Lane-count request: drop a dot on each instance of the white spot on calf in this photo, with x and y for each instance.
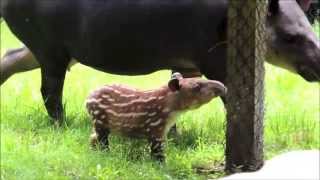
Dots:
(93, 135)
(166, 110)
(96, 112)
(99, 122)
(159, 139)
(111, 100)
(126, 125)
(116, 91)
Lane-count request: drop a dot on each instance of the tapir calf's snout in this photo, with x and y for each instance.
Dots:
(220, 88)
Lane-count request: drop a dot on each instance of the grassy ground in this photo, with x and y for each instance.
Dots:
(31, 148)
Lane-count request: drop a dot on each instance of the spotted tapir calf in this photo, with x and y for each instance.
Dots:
(142, 36)
(149, 114)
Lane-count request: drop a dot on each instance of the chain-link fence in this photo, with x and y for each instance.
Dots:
(245, 100)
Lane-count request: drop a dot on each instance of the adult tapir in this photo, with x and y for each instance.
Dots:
(142, 36)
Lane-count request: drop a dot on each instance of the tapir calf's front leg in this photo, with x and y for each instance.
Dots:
(157, 148)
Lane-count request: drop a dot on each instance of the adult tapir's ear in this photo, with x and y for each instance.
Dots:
(304, 4)
(174, 84)
(273, 7)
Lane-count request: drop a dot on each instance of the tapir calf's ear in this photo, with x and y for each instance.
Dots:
(176, 75)
(174, 84)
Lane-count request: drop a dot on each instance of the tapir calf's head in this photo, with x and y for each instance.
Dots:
(292, 42)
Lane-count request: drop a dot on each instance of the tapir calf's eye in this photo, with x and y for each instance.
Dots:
(196, 87)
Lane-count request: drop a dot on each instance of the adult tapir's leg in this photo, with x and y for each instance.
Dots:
(15, 61)
(53, 69)
(19, 60)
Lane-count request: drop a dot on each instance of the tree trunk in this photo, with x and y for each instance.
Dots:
(245, 82)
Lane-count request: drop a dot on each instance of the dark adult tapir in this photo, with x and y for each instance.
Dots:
(141, 36)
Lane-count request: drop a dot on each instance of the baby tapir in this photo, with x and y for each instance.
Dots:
(147, 114)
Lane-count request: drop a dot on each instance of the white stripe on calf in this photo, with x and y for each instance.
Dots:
(106, 96)
(93, 100)
(152, 114)
(135, 101)
(127, 115)
(148, 120)
(157, 122)
(102, 106)
(156, 145)
(127, 95)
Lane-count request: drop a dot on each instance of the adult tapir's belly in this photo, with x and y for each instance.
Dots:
(133, 50)
(120, 36)
(155, 35)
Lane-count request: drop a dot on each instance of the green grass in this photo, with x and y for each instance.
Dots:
(31, 148)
